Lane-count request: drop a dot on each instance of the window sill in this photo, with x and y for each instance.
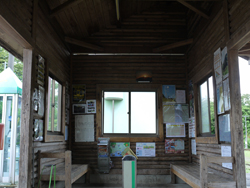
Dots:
(53, 138)
(206, 140)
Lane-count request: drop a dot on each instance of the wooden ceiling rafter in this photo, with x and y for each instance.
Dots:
(193, 8)
(64, 6)
(84, 44)
(174, 45)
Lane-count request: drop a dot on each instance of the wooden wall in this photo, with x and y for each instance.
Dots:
(93, 70)
(31, 21)
(200, 56)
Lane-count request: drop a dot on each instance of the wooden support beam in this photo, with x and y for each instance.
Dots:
(174, 45)
(117, 10)
(236, 119)
(25, 165)
(64, 6)
(193, 8)
(84, 44)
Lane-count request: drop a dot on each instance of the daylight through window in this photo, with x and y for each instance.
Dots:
(129, 112)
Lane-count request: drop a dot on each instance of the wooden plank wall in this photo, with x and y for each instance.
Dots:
(93, 70)
(47, 43)
(49, 46)
(200, 56)
(239, 14)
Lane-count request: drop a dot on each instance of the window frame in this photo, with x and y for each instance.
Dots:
(50, 136)
(206, 138)
(129, 122)
(132, 136)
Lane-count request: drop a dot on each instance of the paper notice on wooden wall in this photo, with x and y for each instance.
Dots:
(84, 128)
(226, 152)
(226, 91)
(220, 99)
(217, 66)
(180, 96)
(224, 61)
(193, 146)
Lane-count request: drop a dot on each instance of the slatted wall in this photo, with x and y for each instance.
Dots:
(93, 70)
(200, 64)
(57, 59)
(239, 14)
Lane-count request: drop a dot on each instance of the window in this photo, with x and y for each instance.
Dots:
(129, 112)
(54, 105)
(137, 114)
(206, 107)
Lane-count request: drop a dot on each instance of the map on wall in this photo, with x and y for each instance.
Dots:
(116, 148)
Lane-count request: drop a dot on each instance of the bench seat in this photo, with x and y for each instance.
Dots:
(191, 174)
(77, 171)
(67, 172)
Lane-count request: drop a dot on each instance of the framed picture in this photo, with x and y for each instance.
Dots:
(79, 93)
(79, 109)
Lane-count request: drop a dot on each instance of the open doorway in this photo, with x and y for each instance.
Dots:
(11, 73)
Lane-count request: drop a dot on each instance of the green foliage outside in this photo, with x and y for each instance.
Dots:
(245, 105)
(18, 65)
(247, 161)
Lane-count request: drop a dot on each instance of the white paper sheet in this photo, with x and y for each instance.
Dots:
(193, 146)
(175, 130)
(91, 106)
(145, 149)
(84, 128)
(180, 96)
(217, 66)
(226, 152)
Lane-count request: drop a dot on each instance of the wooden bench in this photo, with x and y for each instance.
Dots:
(201, 175)
(65, 172)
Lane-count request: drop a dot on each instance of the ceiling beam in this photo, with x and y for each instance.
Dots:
(193, 8)
(117, 10)
(64, 6)
(174, 45)
(84, 44)
(245, 48)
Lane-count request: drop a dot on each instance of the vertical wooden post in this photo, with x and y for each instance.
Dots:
(236, 120)
(203, 171)
(68, 169)
(173, 177)
(25, 165)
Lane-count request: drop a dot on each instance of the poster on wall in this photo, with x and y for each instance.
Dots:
(180, 96)
(117, 148)
(191, 127)
(191, 98)
(224, 128)
(181, 113)
(224, 65)
(175, 130)
(79, 93)
(145, 149)
(193, 146)
(175, 113)
(174, 146)
(217, 66)
(168, 113)
(226, 152)
(226, 91)
(220, 99)
(91, 106)
(168, 93)
(84, 128)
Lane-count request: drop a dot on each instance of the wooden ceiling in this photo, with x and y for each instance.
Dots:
(135, 26)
